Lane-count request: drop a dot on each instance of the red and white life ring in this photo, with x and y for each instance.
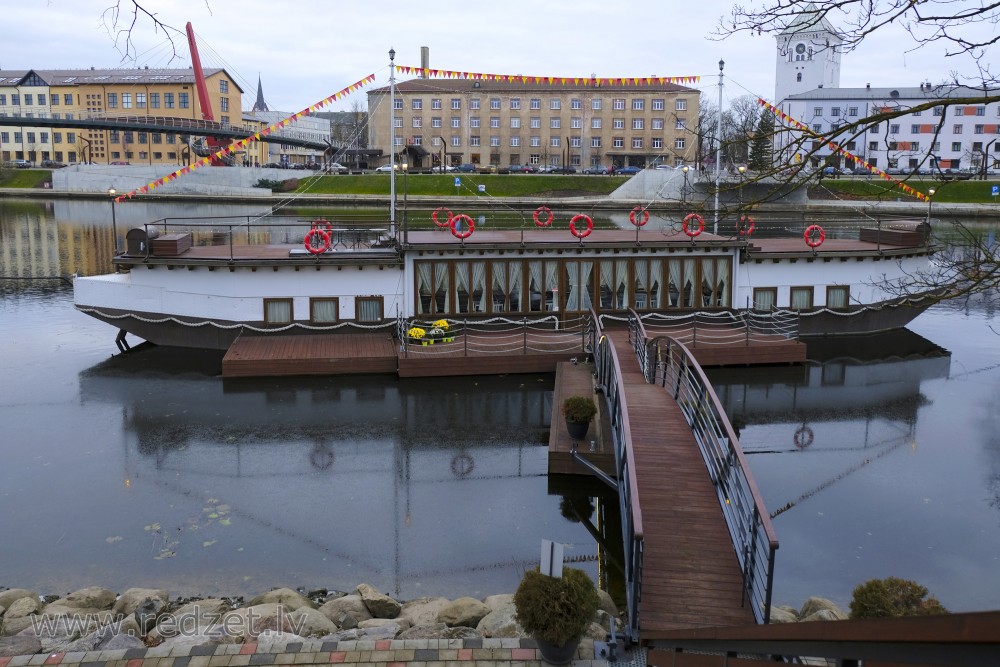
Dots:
(639, 216)
(542, 210)
(470, 226)
(581, 233)
(319, 223)
(811, 241)
(803, 437)
(698, 229)
(323, 235)
(746, 225)
(439, 209)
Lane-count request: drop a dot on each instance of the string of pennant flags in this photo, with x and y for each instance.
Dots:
(843, 151)
(248, 140)
(561, 80)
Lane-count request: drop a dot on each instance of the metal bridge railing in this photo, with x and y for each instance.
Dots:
(610, 382)
(670, 364)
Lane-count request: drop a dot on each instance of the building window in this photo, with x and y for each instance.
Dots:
(817, 111)
(838, 297)
(515, 142)
(679, 124)
(555, 104)
(595, 142)
(554, 142)
(277, 311)
(679, 143)
(595, 123)
(576, 123)
(416, 104)
(112, 100)
(575, 142)
(980, 111)
(619, 104)
(68, 98)
(618, 142)
(474, 123)
(515, 103)
(456, 123)
(595, 104)
(575, 104)
(474, 105)
(658, 105)
(894, 128)
(456, 141)
(798, 77)
(681, 105)
(852, 111)
(536, 142)
(636, 142)
(765, 298)
(817, 127)
(183, 100)
(938, 111)
(801, 297)
(494, 141)
(474, 141)
(418, 139)
(495, 103)
(495, 122)
(515, 123)
(397, 122)
(154, 100)
(536, 103)
(456, 103)
(555, 123)
(657, 142)
(835, 112)
(168, 100)
(978, 129)
(637, 123)
(956, 129)
(436, 122)
(223, 86)
(369, 308)
(956, 146)
(536, 123)
(638, 104)
(417, 121)
(618, 123)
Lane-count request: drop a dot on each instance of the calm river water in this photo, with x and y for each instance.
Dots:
(879, 458)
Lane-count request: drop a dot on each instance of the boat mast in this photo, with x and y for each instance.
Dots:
(392, 142)
(718, 154)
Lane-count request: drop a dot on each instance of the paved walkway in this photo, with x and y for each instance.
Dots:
(381, 653)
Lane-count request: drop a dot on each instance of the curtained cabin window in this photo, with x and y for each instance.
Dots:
(765, 298)
(324, 310)
(369, 308)
(277, 312)
(838, 297)
(801, 298)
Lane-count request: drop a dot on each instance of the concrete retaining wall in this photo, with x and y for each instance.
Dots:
(212, 181)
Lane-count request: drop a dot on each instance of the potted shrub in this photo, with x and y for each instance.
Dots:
(578, 410)
(556, 611)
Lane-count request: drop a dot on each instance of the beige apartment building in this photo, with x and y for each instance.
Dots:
(502, 123)
(82, 93)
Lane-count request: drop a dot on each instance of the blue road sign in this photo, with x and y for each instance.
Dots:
(996, 190)
(458, 182)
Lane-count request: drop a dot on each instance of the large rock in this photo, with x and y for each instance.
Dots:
(381, 632)
(23, 607)
(348, 605)
(463, 611)
(814, 604)
(439, 631)
(15, 626)
(109, 638)
(194, 618)
(423, 611)
(822, 615)
(596, 632)
(309, 622)
(289, 599)
(21, 645)
(271, 641)
(400, 623)
(379, 604)
(606, 603)
(9, 596)
(502, 619)
(55, 632)
(134, 597)
(783, 615)
(93, 597)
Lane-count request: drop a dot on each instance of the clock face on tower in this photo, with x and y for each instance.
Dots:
(800, 48)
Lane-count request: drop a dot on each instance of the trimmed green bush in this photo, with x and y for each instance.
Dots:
(880, 598)
(556, 610)
(579, 408)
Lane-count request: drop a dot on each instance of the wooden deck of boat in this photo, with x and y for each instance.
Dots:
(691, 576)
(475, 353)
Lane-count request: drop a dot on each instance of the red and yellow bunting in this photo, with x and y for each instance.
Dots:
(248, 140)
(838, 149)
(593, 82)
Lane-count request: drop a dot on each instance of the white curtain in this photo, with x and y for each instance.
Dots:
(802, 297)
(708, 282)
(764, 299)
(837, 297)
(639, 285)
(324, 310)
(442, 295)
(689, 290)
(536, 288)
(675, 283)
(586, 285)
(279, 312)
(369, 310)
(551, 283)
(655, 282)
(499, 286)
(723, 274)
(462, 287)
(621, 284)
(515, 298)
(607, 288)
(573, 285)
(424, 288)
(479, 286)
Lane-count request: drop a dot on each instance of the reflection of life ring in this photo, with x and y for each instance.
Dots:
(639, 216)
(746, 225)
(322, 222)
(439, 209)
(547, 221)
(811, 241)
(321, 457)
(462, 465)
(699, 228)
(803, 437)
(465, 233)
(581, 233)
(323, 235)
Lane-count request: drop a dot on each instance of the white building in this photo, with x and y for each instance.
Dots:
(807, 88)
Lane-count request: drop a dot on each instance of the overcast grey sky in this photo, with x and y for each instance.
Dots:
(305, 50)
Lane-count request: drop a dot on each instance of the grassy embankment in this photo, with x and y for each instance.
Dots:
(971, 192)
(24, 178)
(443, 185)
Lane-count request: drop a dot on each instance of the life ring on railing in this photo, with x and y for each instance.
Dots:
(540, 210)
(639, 216)
(746, 225)
(465, 233)
(803, 437)
(581, 233)
(434, 216)
(462, 465)
(698, 229)
(321, 457)
(811, 241)
(323, 234)
(322, 222)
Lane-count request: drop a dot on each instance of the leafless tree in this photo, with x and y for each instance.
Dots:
(124, 16)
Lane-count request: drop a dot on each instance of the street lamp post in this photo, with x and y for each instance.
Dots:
(930, 199)
(114, 223)
(684, 190)
(739, 204)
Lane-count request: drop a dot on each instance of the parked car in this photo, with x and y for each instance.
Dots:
(627, 171)
(52, 164)
(545, 169)
(596, 170)
(384, 169)
(466, 168)
(518, 169)
(18, 164)
(562, 170)
(337, 168)
(119, 164)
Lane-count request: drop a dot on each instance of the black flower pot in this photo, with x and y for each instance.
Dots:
(558, 655)
(577, 430)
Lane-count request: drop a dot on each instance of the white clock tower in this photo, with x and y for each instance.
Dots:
(808, 55)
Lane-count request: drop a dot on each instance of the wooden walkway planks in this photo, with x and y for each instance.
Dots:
(691, 576)
(326, 354)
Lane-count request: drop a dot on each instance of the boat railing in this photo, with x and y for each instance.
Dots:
(449, 336)
(667, 362)
(610, 383)
(725, 327)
